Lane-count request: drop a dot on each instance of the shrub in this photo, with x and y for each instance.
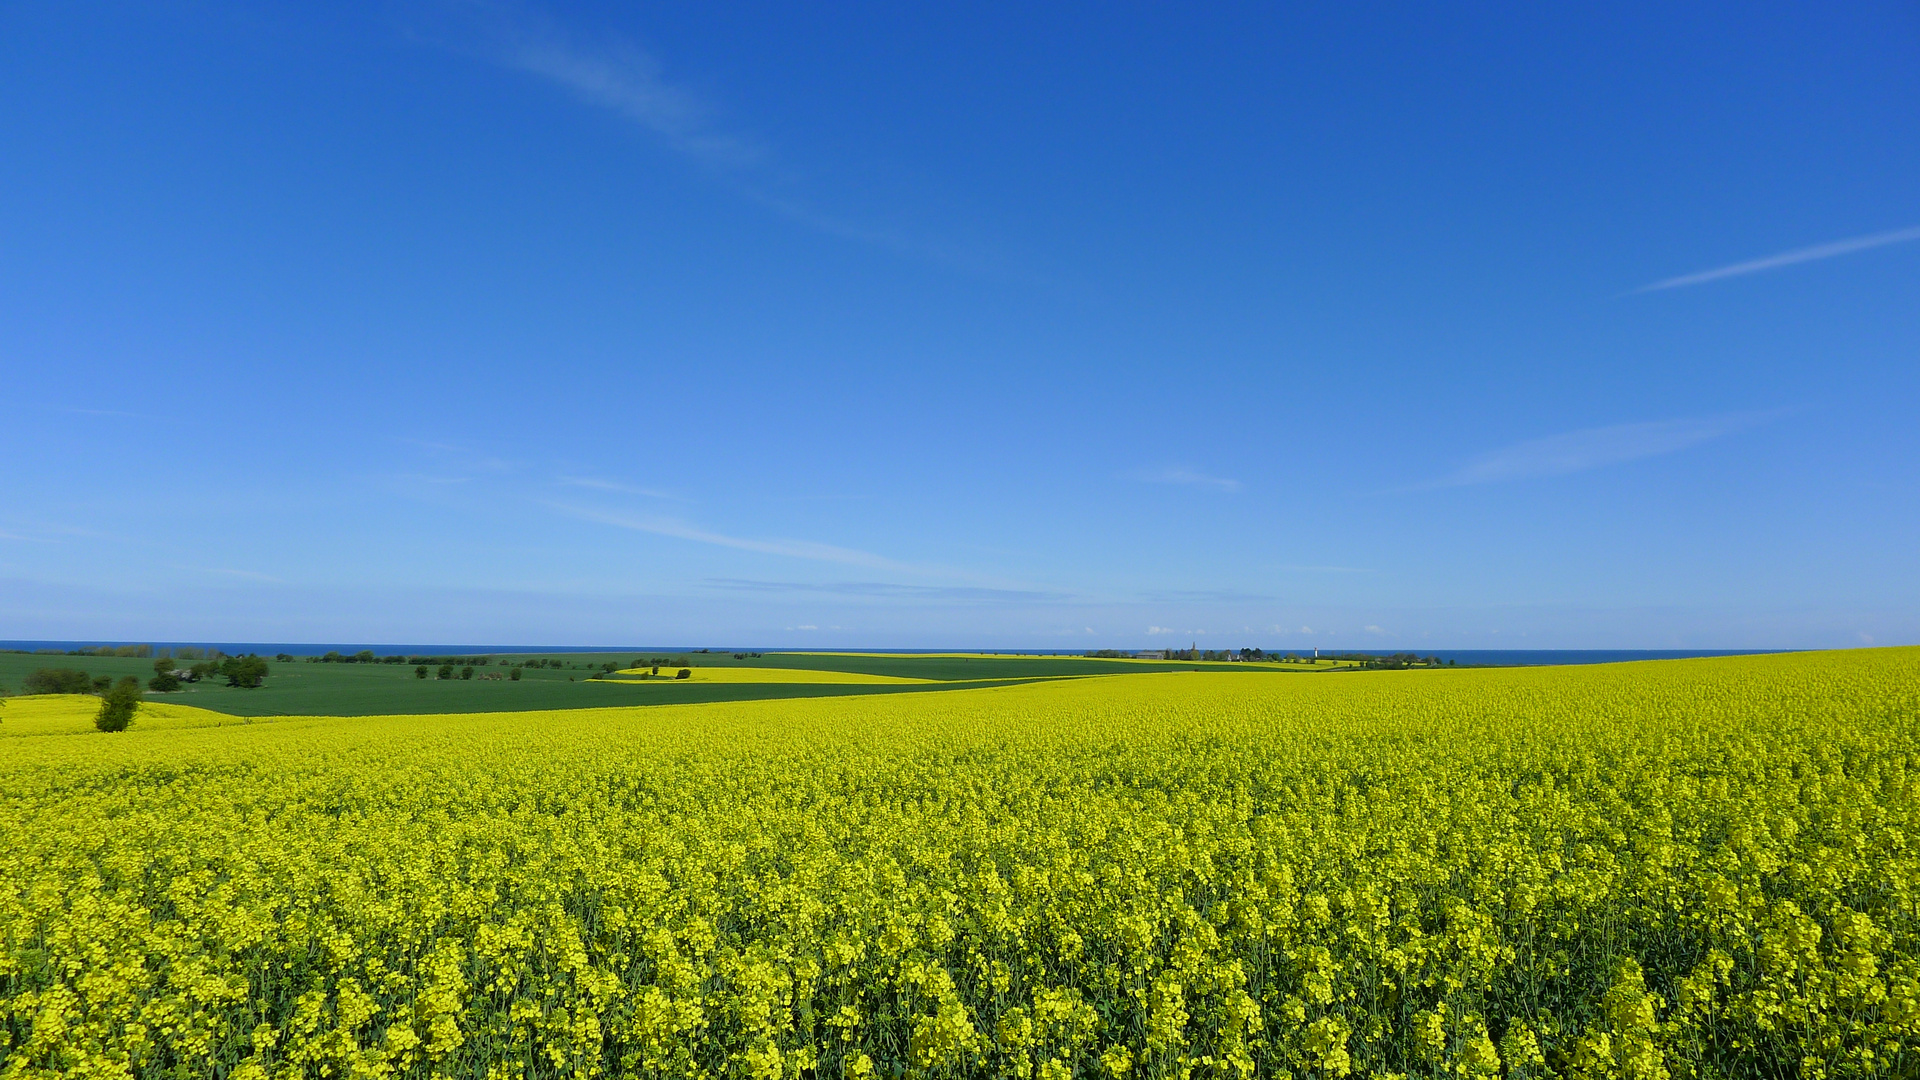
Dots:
(467, 672)
(420, 672)
(245, 672)
(118, 705)
(514, 674)
(59, 681)
(683, 673)
(446, 671)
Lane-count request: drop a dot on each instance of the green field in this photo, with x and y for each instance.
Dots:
(303, 688)
(1659, 870)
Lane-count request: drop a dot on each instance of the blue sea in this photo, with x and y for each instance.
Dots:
(1459, 657)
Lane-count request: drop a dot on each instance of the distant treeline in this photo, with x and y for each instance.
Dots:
(1392, 662)
(138, 652)
(246, 672)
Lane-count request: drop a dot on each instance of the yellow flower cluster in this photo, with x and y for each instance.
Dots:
(1685, 869)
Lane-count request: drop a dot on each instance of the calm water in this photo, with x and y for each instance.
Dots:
(1465, 657)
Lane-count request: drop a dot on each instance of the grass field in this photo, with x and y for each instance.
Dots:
(1658, 870)
(300, 688)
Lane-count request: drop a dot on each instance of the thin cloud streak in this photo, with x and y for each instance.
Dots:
(628, 81)
(250, 575)
(887, 590)
(1787, 258)
(1187, 478)
(795, 549)
(624, 78)
(1592, 448)
(610, 485)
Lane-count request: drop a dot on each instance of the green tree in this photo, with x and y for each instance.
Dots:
(118, 705)
(246, 672)
(683, 673)
(514, 674)
(364, 656)
(59, 681)
(420, 672)
(467, 672)
(446, 671)
(164, 681)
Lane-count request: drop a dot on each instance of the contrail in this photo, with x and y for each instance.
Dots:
(1788, 258)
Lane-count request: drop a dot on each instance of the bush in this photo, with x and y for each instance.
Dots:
(59, 681)
(446, 671)
(420, 672)
(683, 673)
(514, 674)
(119, 705)
(245, 672)
(467, 672)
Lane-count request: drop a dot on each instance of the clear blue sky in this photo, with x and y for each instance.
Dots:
(902, 325)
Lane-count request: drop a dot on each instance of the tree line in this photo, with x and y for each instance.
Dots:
(245, 672)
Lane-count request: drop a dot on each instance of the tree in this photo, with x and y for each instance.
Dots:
(514, 674)
(118, 705)
(164, 681)
(420, 672)
(467, 672)
(59, 681)
(245, 672)
(364, 656)
(683, 673)
(446, 671)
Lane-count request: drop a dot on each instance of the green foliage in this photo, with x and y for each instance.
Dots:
(683, 673)
(420, 672)
(514, 674)
(59, 681)
(467, 672)
(118, 705)
(245, 672)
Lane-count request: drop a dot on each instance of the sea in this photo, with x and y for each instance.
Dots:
(1458, 657)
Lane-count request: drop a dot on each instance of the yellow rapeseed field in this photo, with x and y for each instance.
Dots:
(1683, 869)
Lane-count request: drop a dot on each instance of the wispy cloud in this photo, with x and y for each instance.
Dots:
(1577, 451)
(615, 74)
(610, 485)
(464, 456)
(888, 590)
(250, 575)
(1787, 258)
(1186, 477)
(621, 77)
(427, 478)
(796, 549)
(1201, 596)
(50, 533)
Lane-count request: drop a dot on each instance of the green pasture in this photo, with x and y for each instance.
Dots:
(304, 688)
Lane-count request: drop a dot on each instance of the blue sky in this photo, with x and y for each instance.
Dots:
(903, 325)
